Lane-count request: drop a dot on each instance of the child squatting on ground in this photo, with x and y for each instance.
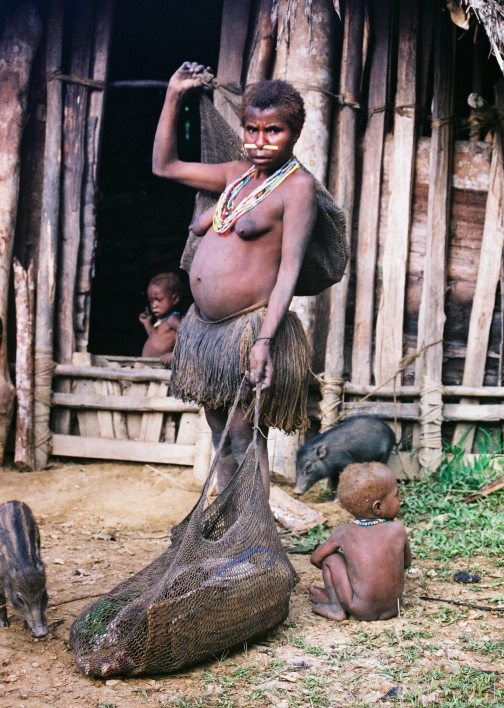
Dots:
(366, 579)
(164, 293)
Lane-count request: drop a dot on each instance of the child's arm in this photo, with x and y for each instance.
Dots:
(326, 549)
(145, 319)
(407, 554)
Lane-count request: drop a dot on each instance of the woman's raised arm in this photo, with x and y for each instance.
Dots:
(165, 159)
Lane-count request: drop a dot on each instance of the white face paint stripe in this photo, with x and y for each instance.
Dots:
(253, 146)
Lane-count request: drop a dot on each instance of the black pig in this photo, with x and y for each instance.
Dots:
(22, 574)
(359, 439)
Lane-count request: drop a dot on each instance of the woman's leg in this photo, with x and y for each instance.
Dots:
(239, 438)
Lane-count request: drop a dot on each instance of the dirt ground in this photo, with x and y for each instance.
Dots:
(100, 523)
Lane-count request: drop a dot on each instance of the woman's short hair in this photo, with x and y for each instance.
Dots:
(276, 94)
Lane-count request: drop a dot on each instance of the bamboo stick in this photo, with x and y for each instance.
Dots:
(369, 212)
(48, 245)
(389, 328)
(234, 27)
(74, 130)
(24, 288)
(488, 278)
(18, 45)
(432, 313)
(342, 187)
(103, 25)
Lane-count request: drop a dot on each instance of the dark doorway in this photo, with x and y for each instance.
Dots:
(142, 220)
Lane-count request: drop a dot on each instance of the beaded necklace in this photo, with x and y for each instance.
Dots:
(163, 319)
(368, 522)
(226, 214)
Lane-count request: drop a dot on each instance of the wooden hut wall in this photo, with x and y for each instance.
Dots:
(372, 106)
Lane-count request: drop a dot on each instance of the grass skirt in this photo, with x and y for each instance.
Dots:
(209, 361)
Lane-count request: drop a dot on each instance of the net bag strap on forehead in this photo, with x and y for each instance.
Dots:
(224, 580)
(327, 253)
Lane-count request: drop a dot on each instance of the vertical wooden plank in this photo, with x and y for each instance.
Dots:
(18, 45)
(74, 132)
(103, 31)
(389, 328)
(88, 420)
(235, 15)
(48, 245)
(188, 429)
(152, 423)
(432, 313)
(24, 287)
(342, 187)
(204, 449)
(486, 284)
(369, 212)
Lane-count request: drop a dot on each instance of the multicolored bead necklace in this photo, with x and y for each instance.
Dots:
(368, 522)
(226, 214)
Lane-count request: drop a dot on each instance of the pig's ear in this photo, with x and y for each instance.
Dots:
(321, 450)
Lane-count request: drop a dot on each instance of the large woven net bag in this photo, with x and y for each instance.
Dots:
(225, 579)
(327, 253)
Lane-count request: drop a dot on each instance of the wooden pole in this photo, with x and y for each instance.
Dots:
(48, 247)
(18, 45)
(103, 31)
(429, 365)
(74, 132)
(369, 212)
(235, 16)
(342, 187)
(24, 288)
(488, 278)
(263, 45)
(389, 327)
(309, 67)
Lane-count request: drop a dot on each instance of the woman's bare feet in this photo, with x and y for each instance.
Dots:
(317, 594)
(332, 612)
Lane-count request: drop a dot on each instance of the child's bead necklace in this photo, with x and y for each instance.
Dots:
(226, 214)
(163, 319)
(368, 522)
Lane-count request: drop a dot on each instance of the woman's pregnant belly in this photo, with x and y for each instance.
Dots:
(229, 274)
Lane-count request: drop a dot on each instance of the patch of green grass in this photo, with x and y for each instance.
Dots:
(300, 642)
(304, 542)
(469, 688)
(494, 649)
(452, 528)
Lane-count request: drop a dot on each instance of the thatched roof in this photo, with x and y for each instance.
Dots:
(491, 15)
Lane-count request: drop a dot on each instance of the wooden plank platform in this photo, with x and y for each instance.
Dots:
(131, 450)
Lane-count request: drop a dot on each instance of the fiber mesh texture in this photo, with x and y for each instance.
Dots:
(327, 253)
(225, 579)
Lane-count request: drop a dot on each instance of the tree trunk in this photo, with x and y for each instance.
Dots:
(24, 287)
(48, 248)
(17, 49)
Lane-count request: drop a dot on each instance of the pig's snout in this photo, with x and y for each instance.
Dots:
(39, 631)
(298, 490)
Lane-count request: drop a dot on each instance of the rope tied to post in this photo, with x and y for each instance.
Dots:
(431, 419)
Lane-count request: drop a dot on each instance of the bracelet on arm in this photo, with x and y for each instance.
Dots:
(268, 338)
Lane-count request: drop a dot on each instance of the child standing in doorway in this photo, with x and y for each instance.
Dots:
(162, 319)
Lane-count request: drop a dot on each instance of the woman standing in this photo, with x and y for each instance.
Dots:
(245, 270)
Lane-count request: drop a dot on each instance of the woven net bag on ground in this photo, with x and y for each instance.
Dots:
(225, 579)
(327, 253)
